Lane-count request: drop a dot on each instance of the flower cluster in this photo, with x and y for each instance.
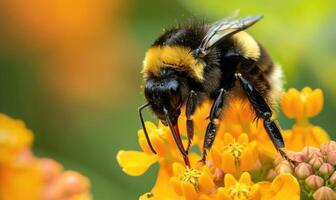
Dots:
(315, 171)
(24, 176)
(242, 163)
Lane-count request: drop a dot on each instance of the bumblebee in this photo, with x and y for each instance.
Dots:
(220, 61)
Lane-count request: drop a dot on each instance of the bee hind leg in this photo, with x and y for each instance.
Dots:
(263, 111)
(190, 110)
(215, 114)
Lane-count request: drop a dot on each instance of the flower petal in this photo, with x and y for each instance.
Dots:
(243, 139)
(205, 183)
(135, 163)
(292, 104)
(189, 191)
(229, 180)
(284, 186)
(314, 103)
(228, 163)
(245, 178)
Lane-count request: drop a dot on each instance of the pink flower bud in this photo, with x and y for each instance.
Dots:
(315, 154)
(308, 150)
(332, 179)
(326, 170)
(314, 182)
(328, 146)
(331, 158)
(284, 167)
(303, 170)
(316, 162)
(299, 157)
(324, 193)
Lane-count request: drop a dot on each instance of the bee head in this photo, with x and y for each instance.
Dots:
(166, 92)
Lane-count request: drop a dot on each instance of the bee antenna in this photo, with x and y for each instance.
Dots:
(144, 126)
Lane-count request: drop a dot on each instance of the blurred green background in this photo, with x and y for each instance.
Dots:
(70, 70)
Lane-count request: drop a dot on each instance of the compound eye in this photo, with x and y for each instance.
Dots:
(174, 94)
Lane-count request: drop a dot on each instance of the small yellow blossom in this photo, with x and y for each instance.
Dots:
(301, 106)
(238, 190)
(192, 183)
(234, 156)
(14, 136)
(304, 104)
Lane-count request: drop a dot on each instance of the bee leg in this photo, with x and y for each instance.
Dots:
(215, 114)
(264, 112)
(190, 110)
(144, 127)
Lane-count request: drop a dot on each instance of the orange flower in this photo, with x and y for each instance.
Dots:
(301, 106)
(238, 190)
(234, 156)
(304, 104)
(192, 183)
(14, 136)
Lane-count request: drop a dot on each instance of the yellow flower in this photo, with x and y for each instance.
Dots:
(192, 183)
(304, 104)
(14, 136)
(21, 178)
(136, 163)
(24, 176)
(284, 186)
(238, 190)
(301, 106)
(234, 156)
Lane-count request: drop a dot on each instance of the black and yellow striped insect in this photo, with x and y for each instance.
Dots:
(220, 61)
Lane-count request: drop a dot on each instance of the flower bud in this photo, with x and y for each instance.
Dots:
(298, 156)
(328, 146)
(316, 162)
(308, 150)
(314, 182)
(324, 193)
(284, 167)
(315, 154)
(326, 170)
(303, 170)
(332, 179)
(331, 157)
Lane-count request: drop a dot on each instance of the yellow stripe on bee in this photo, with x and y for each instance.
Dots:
(247, 45)
(177, 57)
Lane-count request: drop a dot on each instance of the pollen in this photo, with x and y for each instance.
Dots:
(235, 149)
(192, 176)
(239, 191)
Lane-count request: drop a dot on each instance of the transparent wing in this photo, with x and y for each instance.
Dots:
(224, 28)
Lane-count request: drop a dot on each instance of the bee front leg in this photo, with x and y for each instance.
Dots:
(215, 114)
(264, 112)
(190, 110)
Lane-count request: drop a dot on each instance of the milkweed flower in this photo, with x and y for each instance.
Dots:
(25, 176)
(242, 163)
(302, 105)
(316, 170)
(234, 156)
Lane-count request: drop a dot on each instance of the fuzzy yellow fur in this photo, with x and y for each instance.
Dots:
(247, 45)
(177, 57)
